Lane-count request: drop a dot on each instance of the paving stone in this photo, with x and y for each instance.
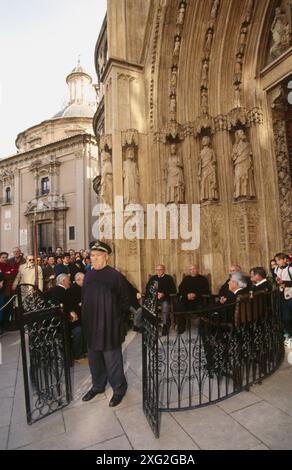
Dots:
(4, 430)
(212, 429)
(271, 425)
(136, 426)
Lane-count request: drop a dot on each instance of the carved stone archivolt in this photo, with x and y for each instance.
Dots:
(206, 58)
(240, 53)
(154, 61)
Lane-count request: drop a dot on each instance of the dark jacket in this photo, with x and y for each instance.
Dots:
(73, 300)
(105, 306)
(265, 286)
(165, 285)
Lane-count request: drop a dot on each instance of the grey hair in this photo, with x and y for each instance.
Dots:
(240, 278)
(61, 277)
(77, 275)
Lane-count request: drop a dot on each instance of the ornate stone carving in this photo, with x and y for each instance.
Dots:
(208, 43)
(131, 177)
(249, 11)
(181, 14)
(284, 180)
(130, 137)
(172, 107)
(176, 47)
(153, 62)
(280, 33)
(243, 167)
(213, 13)
(175, 177)
(235, 117)
(204, 123)
(204, 101)
(173, 80)
(245, 219)
(7, 177)
(243, 39)
(106, 183)
(207, 172)
(48, 203)
(204, 74)
(220, 123)
(105, 142)
(238, 69)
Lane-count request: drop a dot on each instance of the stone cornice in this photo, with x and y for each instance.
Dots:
(45, 149)
(115, 62)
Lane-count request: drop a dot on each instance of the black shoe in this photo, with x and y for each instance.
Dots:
(91, 394)
(116, 400)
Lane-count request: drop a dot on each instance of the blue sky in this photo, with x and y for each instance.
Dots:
(40, 41)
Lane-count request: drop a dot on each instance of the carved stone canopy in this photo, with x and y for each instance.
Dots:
(105, 142)
(130, 138)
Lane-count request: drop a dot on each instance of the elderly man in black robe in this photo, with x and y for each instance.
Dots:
(104, 306)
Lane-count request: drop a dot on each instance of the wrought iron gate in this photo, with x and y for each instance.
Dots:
(210, 354)
(45, 351)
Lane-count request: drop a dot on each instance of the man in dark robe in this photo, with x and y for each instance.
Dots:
(191, 291)
(104, 305)
(166, 288)
(258, 277)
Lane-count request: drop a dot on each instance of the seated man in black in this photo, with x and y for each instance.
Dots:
(225, 294)
(59, 295)
(258, 277)
(215, 328)
(166, 287)
(74, 299)
(191, 291)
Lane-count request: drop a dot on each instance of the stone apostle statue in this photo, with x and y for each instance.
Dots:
(175, 177)
(243, 167)
(131, 177)
(207, 172)
(106, 183)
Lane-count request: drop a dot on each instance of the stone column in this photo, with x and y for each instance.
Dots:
(16, 209)
(80, 222)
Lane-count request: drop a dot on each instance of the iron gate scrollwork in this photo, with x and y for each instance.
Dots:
(45, 348)
(222, 350)
(150, 359)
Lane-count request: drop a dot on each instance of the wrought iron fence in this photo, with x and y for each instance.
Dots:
(45, 353)
(210, 355)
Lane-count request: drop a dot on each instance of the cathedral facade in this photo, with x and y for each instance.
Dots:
(196, 108)
(46, 186)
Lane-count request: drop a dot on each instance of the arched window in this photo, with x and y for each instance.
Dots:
(8, 195)
(45, 185)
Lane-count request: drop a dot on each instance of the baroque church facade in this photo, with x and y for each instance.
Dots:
(194, 108)
(46, 186)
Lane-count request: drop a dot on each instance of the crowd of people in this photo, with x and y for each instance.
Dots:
(99, 300)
